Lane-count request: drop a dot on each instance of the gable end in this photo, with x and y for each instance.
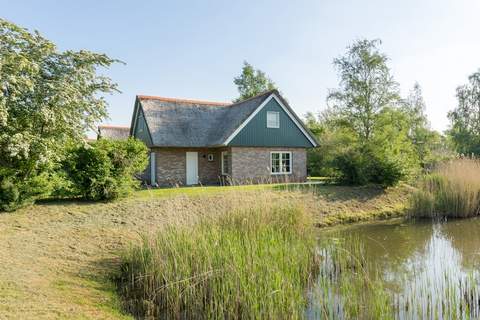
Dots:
(254, 131)
(139, 128)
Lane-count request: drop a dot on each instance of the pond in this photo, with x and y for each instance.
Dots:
(398, 269)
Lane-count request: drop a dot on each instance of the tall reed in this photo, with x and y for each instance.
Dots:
(451, 190)
(251, 263)
(347, 286)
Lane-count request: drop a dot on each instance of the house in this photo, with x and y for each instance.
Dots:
(113, 132)
(193, 142)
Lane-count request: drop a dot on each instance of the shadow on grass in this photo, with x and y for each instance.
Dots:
(69, 202)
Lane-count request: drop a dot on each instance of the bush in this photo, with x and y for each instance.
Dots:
(359, 166)
(16, 192)
(352, 167)
(9, 195)
(105, 170)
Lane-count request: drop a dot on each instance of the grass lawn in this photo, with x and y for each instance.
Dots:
(57, 258)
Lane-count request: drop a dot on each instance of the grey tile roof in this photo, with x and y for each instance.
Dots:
(190, 123)
(113, 132)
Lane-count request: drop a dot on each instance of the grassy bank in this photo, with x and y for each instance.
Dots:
(255, 263)
(57, 257)
(451, 190)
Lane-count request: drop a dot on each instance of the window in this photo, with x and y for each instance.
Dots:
(273, 119)
(225, 162)
(281, 162)
(210, 157)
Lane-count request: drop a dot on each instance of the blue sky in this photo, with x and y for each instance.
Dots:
(193, 49)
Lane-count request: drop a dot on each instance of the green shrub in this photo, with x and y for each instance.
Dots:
(359, 166)
(105, 169)
(16, 192)
(9, 195)
(253, 264)
(352, 167)
(385, 171)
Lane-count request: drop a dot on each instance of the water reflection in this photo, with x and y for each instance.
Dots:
(430, 270)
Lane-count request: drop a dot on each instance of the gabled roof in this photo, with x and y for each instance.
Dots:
(113, 132)
(194, 123)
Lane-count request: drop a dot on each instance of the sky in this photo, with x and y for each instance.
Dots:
(194, 49)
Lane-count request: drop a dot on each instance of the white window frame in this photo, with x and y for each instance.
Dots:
(281, 166)
(224, 153)
(277, 115)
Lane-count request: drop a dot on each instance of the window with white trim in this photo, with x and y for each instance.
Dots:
(273, 119)
(225, 162)
(281, 162)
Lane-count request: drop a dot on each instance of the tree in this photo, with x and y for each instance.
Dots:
(423, 138)
(252, 82)
(415, 107)
(366, 87)
(465, 118)
(365, 135)
(334, 137)
(47, 97)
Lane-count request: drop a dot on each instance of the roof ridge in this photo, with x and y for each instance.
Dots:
(256, 96)
(113, 126)
(181, 100)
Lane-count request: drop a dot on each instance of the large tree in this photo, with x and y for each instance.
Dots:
(47, 98)
(465, 118)
(252, 82)
(366, 86)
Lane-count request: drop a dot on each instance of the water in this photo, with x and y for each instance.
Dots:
(408, 270)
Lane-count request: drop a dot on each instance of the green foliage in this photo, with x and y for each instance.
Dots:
(46, 98)
(334, 138)
(105, 170)
(366, 87)
(16, 192)
(430, 146)
(248, 264)
(252, 82)
(464, 119)
(9, 195)
(359, 166)
(387, 158)
(368, 134)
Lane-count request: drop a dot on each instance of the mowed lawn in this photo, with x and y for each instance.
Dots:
(59, 259)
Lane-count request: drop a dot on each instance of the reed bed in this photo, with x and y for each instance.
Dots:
(253, 263)
(452, 190)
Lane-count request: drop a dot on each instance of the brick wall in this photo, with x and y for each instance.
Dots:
(252, 165)
(171, 166)
(246, 165)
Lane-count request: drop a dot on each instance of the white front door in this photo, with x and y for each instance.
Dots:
(192, 167)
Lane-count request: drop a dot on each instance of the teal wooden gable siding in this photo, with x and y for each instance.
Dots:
(256, 133)
(141, 129)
